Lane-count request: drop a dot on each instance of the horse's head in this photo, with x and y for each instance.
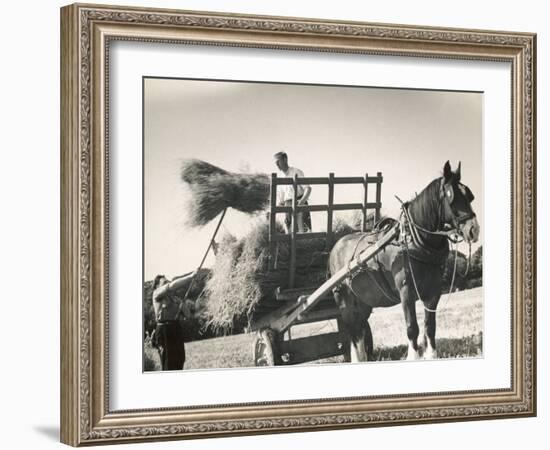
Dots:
(457, 204)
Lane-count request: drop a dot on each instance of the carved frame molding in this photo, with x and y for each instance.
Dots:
(86, 32)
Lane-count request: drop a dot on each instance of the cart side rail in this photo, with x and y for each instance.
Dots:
(330, 207)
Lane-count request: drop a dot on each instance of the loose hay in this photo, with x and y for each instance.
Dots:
(214, 189)
(233, 288)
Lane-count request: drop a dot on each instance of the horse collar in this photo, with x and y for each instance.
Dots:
(420, 249)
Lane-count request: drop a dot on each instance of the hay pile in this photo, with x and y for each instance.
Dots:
(241, 287)
(214, 189)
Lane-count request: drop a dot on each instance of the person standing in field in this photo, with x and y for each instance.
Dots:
(170, 312)
(285, 194)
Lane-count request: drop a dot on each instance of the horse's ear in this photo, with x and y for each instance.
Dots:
(447, 172)
(457, 173)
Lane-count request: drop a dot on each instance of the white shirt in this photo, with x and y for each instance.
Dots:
(286, 192)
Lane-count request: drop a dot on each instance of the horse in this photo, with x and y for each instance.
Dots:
(410, 268)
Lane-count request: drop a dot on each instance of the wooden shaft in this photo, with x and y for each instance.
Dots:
(205, 254)
(330, 213)
(365, 203)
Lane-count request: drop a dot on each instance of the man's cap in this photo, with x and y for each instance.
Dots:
(279, 155)
(156, 280)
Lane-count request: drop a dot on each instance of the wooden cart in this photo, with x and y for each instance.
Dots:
(274, 344)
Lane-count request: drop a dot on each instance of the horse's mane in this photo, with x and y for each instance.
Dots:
(424, 208)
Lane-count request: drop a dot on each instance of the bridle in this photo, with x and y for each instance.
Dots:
(456, 218)
(450, 231)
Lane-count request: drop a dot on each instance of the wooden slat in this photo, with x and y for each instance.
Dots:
(335, 207)
(299, 236)
(302, 208)
(316, 235)
(281, 237)
(313, 347)
(319, 315)
(323, 180)
(374, 205)
(272, 221)
(365, 203)
(356, 180)
(312, 180)
(284, 181)
(282, 209)
(348, 180)
(378, 197)
(302, 180)
(347, 206)
(376, 179)
(351, 206)
(294, 231)
(312, 208)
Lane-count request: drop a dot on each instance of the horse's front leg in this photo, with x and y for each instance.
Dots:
(430, 351)
(409, 310)
(358, 349)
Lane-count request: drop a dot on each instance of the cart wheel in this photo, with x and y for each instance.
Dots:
(264, 351)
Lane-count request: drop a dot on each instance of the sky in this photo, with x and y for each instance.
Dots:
(408, 135)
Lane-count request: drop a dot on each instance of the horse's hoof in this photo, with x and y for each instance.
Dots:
(412, 355)
(430, 353)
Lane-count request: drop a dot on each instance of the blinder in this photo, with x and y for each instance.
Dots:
(467, 192)
(447, 196)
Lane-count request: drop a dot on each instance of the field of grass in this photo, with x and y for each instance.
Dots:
(459, 335)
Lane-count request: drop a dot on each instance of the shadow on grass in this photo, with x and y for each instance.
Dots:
(466, 347)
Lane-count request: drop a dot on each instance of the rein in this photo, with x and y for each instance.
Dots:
(452, 234)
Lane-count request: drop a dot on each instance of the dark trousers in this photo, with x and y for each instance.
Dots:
(169, 339)
(306, 217)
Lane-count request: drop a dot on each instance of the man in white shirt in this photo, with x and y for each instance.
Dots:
(285, 194)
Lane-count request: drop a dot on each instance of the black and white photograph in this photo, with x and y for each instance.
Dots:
(288, 224)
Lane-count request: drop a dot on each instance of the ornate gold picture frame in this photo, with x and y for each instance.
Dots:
(87, 33)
